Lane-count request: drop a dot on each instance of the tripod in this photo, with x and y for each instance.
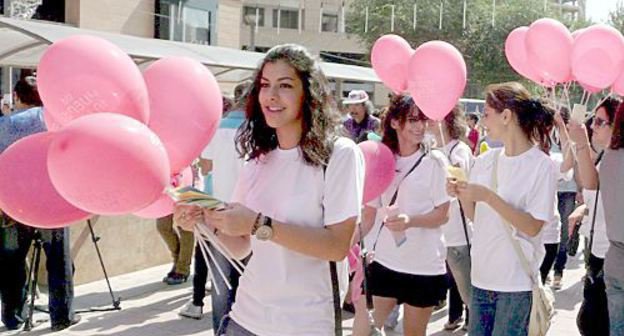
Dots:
(33, 277)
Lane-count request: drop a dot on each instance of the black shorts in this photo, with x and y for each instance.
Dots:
(416, 290)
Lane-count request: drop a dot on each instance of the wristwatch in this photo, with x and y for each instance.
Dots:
(265, 231)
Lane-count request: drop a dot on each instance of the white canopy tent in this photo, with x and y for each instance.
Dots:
(22, 42)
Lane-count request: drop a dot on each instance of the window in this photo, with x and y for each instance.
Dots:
(329, 23)
(252, 11)
(189, 23)
(288, 18)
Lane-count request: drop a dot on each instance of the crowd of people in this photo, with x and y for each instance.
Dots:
(287, 164)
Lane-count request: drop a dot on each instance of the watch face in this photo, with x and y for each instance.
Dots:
(264, 232)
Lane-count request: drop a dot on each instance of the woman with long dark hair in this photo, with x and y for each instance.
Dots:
(510, 195)
(295, 204)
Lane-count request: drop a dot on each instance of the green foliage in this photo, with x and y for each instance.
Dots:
(481, 43)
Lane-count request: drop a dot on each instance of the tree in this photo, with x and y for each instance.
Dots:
(481, 43)
(616, 17)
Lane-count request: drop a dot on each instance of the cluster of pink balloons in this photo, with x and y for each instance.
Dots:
(116, 139)
(548, 54)
(434, 74)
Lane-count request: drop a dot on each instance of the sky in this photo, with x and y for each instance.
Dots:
(598, 10)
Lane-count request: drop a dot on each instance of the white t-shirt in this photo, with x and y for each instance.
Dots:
(226, 163)
(601, 242)
(420, 192)
(528, 182)
(283, 292)
(461, 156)
(551, 233)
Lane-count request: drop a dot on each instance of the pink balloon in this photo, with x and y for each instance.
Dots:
(437, 78)
(83, 74)
(577, 33)
(27, 195)
(164, 204)
(108, 164)
(390, 58)
(598, 56)
(589, 88)
(515, 51)
(618, 85)
(186, 107)
(379, 171)
(549, 46)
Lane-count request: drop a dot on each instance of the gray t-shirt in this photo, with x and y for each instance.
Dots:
(612, 189)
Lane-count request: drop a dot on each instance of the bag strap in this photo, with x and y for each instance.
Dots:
(461, 208)
(336, 295)
(333, 273)
(508, 228)
(396, 194)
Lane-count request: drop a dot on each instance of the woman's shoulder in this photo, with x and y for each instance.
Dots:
(343, 145)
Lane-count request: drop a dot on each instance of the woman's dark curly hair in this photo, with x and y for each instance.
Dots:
(534, 117)
(320, 119)
(400, 107)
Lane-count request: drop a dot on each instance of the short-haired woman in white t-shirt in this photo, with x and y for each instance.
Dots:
(409, 254)
(295, 204)
(514, 185)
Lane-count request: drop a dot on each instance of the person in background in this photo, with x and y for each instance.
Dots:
(361, 110)
(225, 164)
(16, 237)
(472, 120)
(458, 230)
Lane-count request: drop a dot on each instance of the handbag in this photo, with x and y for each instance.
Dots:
(593, 316)
(542, 303)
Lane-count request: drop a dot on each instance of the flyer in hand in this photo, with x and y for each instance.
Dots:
(193, 196)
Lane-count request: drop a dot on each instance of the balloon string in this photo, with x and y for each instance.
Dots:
(441, 134)
(207, 234)
(204, 248)
(201, 248)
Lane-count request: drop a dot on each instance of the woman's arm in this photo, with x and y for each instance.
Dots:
(329, 243)
(523, 221)
(366, 225)
(588, 174)
(432, 219)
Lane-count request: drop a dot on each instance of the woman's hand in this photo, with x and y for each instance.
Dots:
(398, 223)
(472, 192)
(575, 218)
(578, 133)
(233, 220)
(186, 216)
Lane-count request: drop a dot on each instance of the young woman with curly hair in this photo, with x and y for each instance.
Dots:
(295, 204)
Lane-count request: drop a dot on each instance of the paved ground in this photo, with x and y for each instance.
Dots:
(149, 307)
